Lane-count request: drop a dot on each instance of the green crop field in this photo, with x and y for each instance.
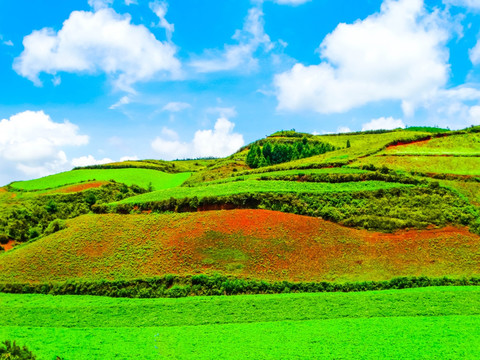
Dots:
(140, 177)
(426, 323)
(257, 186)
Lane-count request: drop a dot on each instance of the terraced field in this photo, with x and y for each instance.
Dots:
(140, 177)
(428, 323)
(252, 186)
(257, 244)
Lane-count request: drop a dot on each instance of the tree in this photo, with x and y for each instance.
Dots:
(348, 143)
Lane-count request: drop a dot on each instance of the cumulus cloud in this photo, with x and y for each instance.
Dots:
(95, 42)
(396, 54)
(89, 160)
(160, 9)
(474, 113)
(383, 123)
(241, 55)
(33, 142)
(217, 142)
(176, 106)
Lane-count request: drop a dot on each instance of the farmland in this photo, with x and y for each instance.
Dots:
(432, 323)
(258, 187)
(255, 244)
(387, 210)
(140, 177)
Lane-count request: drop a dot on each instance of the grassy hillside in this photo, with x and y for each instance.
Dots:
(140, 177)
(430, 323)
(246, 243)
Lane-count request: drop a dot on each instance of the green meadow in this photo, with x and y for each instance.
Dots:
(140, 177)
(426, 323)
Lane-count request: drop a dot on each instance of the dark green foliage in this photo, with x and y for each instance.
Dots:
(427, 129)
(30, 218)
(272, 153)
(175, 286)
(1, 248)
(12, 351)
(348, 144)
(4, 239)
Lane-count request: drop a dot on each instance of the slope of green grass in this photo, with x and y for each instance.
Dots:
(463, 144)
(254, 186)
(425, 164)
(427, 323)
(140, 177)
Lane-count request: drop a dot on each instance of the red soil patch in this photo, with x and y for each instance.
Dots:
(405, 143)
(257, 244)
(9, 245)
(80, 187)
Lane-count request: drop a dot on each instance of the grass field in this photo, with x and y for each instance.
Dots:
(426, 164)
(465, 144)
(258, 244)
(140, 177)
(427, 323)
(253, 186)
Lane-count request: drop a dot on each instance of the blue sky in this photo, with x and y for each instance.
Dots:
(91, 81)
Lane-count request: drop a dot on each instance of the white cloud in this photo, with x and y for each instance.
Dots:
(100, 4)
(475, 54)
(33, 142)
(397, 54)
(103, 41)
(473, 4)
(218, 142)
(124, 100)
(89, 160)
(175, 106)
(383, 124)
(160, 9)
(8, 43)
(130, 2)
(241, 55)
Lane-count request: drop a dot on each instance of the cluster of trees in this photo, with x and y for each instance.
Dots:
(174, 286)
(44, 215)
(278, 152)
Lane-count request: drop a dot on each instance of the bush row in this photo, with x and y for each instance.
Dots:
(174, 286)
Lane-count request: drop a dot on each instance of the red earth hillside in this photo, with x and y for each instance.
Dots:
(258, 244)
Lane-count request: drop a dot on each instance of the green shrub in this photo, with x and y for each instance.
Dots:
(54, 226)
(12, 351)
